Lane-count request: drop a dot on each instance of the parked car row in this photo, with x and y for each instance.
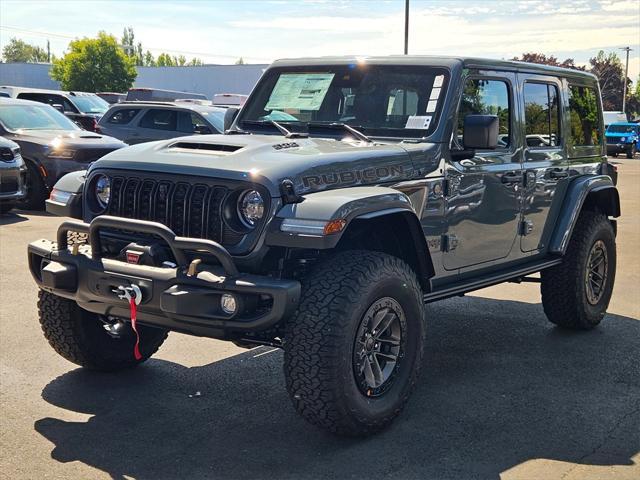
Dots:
(51, 146)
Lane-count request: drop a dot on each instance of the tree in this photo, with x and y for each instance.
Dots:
(240, 61)
(94, 65)
(633, 102)
(17, 51)
(146, 59)
(610, 72)
(542, 59)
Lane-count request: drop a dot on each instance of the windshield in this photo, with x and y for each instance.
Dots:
(378, 100)
(622, 128)
(215, 118)
(34, 117)
(90, 104)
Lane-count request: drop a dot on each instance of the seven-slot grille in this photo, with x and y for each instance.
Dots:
(190, 210)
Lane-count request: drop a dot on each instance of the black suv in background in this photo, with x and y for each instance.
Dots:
(138, 122)
(83, 108)
(51, 144)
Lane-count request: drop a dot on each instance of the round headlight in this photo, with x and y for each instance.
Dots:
(251, 207)
(103, 190)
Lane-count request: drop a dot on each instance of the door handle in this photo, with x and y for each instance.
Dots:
(556, 174)
(512, 177)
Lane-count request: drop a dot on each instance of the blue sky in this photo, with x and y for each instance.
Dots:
(262, 30)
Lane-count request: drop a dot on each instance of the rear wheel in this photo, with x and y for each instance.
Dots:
(6, 208)
(80, 336)
(632, 151)
(576, 293)
(353, 351)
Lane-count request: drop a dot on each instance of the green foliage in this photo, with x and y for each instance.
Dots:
(94, 65)
(240, 61)
(542, 59)
(583, 108)
(146, 59)
(17, 51)
(610, 72)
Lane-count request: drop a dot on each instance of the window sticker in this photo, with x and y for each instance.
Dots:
(437, 82)
(431, 106)
(435, 93)
(300, 91)
(419, 122)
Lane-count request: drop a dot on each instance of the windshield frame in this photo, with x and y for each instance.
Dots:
(270, 77)
(49, 110)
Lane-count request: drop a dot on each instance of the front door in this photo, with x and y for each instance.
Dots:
(484, 192)
(545, 159)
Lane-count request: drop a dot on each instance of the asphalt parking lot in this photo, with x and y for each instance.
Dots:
(504, 394)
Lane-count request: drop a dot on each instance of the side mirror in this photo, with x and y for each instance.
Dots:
(480, 132)
(229, 116)
(58, 107)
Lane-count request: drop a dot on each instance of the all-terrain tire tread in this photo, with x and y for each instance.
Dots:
(562, 297)
(62, 327)
(313, 334)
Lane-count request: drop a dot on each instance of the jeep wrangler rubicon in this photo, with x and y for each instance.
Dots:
(343, 196)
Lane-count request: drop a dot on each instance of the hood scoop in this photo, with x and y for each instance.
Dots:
(212, 148)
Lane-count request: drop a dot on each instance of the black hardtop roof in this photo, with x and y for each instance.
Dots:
(437, 61)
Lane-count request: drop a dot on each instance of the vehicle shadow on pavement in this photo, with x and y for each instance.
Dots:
(11, 218)
(501, 386)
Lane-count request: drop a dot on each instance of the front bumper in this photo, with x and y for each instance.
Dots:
(618, 148)
(177, 298)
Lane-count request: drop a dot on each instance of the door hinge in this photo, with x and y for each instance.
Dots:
(449, 242)
(526, 227)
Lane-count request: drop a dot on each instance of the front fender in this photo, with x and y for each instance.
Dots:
(594, 191)
(345, 204)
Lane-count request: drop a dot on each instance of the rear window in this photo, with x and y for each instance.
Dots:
(160, 119)
(122, 116)
(584, 117)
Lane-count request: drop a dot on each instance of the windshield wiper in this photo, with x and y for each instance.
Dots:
(284, 131)
(356, 133)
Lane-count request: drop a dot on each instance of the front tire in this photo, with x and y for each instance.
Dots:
(632, 151)
(353, 350)
(576, 293)
(79, 336)
(36, 189)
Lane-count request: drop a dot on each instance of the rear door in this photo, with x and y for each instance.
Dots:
(156, 124)
(545, 157)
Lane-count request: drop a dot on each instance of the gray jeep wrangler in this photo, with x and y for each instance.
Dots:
(346, 194)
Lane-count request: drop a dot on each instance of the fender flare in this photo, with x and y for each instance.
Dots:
(354, 205)
(598, 189)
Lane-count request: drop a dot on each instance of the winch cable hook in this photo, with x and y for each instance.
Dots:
(133, 295)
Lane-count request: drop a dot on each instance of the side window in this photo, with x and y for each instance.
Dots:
(486, 97)
(123, 116)
(584, 117)
(541, 115)
(159, 119)
(191, 122)
(36, 97)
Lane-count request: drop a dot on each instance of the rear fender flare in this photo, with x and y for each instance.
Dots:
(583, 192)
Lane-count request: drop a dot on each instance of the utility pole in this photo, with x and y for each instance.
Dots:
(624, 84)
(406, 27)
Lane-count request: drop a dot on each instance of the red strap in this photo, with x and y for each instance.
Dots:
(134, 312)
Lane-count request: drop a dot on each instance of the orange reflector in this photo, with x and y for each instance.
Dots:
(43, 171)
(334, 226)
